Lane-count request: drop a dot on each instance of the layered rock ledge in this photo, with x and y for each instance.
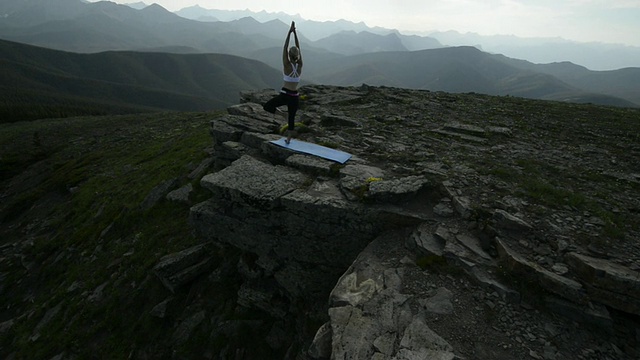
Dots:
(406, 252)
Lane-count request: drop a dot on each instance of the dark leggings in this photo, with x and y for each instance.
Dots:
(286, 97)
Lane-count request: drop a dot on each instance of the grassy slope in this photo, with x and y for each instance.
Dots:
(73, 212)
(42, 83)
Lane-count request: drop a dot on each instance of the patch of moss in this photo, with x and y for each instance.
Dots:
(299, 127)
(361, 191)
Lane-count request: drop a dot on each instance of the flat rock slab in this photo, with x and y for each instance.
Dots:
(310, 164)
(254, 179)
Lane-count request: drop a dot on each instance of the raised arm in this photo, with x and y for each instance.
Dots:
(295, 36)
(285, 49)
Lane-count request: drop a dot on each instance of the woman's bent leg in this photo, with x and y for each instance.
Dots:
(271, 105)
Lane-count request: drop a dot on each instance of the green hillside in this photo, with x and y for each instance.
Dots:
(40, 83)
(621, 83)
(89, 177)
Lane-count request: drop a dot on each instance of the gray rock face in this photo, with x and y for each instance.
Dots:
(269, 211)
(370, 317)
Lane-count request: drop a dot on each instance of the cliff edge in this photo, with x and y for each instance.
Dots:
(458, 230)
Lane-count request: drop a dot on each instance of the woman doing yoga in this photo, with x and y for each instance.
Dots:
(292, 68)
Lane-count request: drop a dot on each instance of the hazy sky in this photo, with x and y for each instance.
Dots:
(611, 21)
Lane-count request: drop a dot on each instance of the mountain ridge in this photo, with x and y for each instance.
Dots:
(191, 81)
(595, 56)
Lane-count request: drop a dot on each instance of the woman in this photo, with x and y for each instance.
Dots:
(292, 68)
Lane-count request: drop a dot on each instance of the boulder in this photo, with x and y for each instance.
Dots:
(607, 282)
(425, 243)
(157, 193)
(181, 195)
(178, 269)
(559, 285)
(399, 191)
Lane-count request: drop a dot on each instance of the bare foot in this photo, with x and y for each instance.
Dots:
(289, 136)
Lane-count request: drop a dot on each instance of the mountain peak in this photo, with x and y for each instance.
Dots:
(194, 7)
(155, 13)
(137, 5)
(155, 7)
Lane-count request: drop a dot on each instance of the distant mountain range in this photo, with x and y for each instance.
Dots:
(467, 69)
(150, 58)
(595, 56)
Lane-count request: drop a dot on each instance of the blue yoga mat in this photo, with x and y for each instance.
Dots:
(314, 149)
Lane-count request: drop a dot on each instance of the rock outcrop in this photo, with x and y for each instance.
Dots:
(406, 251)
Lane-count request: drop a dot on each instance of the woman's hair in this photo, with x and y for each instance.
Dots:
(294, 52)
